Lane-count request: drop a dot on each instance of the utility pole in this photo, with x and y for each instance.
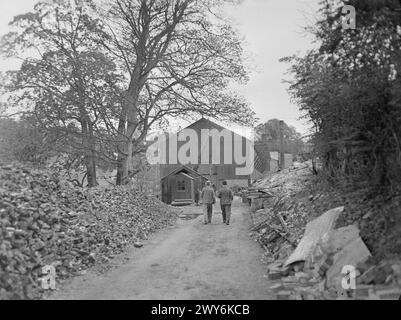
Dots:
(282, 158)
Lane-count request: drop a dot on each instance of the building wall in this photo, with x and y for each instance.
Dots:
(181, 195)
(217, 174)
(240, 183)
(169, 187)
(274, 162)
(289, 146)
(288, 160)
(274, 165)
(228, 171)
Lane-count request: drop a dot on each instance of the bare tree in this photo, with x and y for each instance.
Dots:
(68, 82)
(180, 58)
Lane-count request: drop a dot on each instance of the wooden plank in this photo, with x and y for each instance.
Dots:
(352, 254)
(313, 233)
(282, 222)
(259, 226)
(284, 236)
(341, 237)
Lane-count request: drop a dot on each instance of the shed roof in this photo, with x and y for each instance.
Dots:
(186, 169)
(186, 175)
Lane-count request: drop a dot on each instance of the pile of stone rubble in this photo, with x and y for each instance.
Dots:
(312, 259)
(333, 264)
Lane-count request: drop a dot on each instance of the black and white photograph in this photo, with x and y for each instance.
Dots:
(200, 155)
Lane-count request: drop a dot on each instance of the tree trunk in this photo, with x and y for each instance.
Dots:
(89, 152)
(91, 171)
(331, 162)
(132, 122)
(129, 114)
(120, 170)
(121, 156)
(127, 126)
(121, 145)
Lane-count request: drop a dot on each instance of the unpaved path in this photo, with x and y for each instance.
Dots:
(187, 261)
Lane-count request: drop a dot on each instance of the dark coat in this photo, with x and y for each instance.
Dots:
(226, 195)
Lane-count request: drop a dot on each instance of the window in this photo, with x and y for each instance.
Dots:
(180, 185)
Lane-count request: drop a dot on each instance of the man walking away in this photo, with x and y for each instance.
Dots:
(226, 198)
(208, 200)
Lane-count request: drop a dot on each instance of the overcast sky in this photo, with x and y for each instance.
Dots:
(272, 29)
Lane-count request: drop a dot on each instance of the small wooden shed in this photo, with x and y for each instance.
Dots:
(179, 187)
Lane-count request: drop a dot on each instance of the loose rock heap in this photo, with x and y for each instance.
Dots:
(333, 264)
(46, 221)
(306, 254)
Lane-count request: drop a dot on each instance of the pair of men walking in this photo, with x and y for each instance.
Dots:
(209, 199)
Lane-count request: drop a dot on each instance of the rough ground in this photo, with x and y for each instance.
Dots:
(187, 261)
(46, 220)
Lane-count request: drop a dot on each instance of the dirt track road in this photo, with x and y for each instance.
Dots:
(187, 261)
